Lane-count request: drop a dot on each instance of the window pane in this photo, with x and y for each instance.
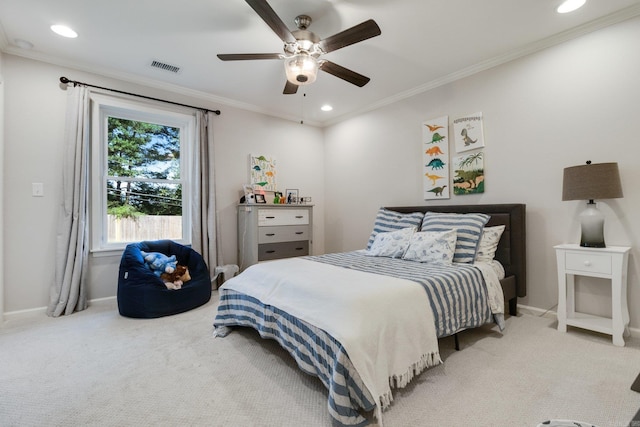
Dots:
(141, 210)
(142, 150)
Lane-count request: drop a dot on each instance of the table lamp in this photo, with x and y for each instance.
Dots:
(590, 182)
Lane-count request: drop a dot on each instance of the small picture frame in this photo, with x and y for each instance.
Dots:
(291, 196)
(260, 198)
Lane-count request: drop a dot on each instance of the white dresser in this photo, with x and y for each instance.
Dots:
(267, 232)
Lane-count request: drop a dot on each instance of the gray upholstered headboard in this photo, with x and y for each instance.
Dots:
(511, 251)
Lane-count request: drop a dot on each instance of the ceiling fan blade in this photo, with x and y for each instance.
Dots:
(352, 35)
(344, 73)
(247, 56)
(290, 88)
(269, 16)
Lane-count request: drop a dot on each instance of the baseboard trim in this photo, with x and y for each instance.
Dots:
(549, 314)
(18, 314)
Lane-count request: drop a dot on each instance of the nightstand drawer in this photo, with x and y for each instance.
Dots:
(585, 262)
(283, 233)
(273, 217)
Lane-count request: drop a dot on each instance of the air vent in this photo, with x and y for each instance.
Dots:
(164, 66)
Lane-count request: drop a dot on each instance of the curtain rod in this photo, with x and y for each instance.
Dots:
(65, 80)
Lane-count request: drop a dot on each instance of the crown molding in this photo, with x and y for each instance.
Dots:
(147, 82)
(589, 27)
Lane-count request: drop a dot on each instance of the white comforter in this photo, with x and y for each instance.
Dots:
(385, 324)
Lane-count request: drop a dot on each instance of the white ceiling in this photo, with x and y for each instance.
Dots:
(424, 43)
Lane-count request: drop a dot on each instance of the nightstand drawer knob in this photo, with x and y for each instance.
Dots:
(587, 263)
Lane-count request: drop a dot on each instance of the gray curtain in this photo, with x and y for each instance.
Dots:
(203, 205)
(68, 291)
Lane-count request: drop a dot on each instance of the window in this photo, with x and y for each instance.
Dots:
(140, 161)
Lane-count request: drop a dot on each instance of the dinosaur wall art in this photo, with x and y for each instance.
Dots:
(435, 158)
(262, 172)
(468, 132)
(468, 175)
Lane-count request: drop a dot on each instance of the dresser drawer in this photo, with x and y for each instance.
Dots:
(592, 263)
(273, 217)
(268, 251)
(283, 233)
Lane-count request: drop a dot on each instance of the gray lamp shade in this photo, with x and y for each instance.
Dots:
(591, 181)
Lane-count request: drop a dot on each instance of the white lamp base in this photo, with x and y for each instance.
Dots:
(592, 227)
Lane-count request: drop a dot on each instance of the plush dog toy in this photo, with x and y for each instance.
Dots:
(159, 263)
(177, 278)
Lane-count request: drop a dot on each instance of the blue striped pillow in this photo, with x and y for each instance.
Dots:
(387, 220)
(468, 228)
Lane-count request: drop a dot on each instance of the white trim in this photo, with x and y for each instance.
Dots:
(2, 178)
(30, 312)
(539, 312)
(103, 106)
(614, 18)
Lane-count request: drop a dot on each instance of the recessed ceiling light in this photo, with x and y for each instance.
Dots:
(570, 5)
(326, 107)
(64, 31)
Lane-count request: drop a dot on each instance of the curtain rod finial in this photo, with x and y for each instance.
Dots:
(64, 80)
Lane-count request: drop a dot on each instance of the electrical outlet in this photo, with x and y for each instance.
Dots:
(37, 189)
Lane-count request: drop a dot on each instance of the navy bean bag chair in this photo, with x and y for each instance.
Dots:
(142, 294)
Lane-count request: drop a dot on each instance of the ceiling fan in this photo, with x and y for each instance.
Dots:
(302, 48)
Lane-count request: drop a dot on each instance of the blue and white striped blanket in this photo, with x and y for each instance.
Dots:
(456, 295)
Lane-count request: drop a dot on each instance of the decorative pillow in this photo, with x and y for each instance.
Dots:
(468, 227)
(391, 244)
(432, 246)
(387, 220)
(489, 243)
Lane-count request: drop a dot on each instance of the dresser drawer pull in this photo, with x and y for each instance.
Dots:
(270, 234)
(299, 249)
(270, 217)
(299, 216)
(299, 232)
(271, 252)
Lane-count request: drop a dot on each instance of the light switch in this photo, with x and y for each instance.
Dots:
(37, 189)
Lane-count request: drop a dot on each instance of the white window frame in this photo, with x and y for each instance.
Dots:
(104, 106)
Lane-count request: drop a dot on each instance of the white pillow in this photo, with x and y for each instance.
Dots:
(468, 226)
(391, 244)
(432, 246)
(489, 243)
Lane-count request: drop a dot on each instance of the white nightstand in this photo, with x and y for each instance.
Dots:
(608, 263)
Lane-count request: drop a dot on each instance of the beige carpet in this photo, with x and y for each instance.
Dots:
(96, 368)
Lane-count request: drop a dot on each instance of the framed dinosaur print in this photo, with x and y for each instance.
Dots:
(468, 132)
(468, 174)
(435, 158)
(262, 172)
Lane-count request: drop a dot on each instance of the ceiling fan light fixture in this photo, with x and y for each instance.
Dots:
(301, 69)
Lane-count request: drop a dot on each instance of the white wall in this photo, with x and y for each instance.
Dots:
(559, 107)
(1, 190)
(556, 108)
(34, 129)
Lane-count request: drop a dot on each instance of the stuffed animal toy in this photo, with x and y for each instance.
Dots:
(176, 279)
(159, 262)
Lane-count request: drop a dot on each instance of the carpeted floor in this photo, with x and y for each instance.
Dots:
(96, 368)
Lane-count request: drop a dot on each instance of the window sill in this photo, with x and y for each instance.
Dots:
(110, 252)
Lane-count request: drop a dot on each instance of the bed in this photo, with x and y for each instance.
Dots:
(365, 322)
